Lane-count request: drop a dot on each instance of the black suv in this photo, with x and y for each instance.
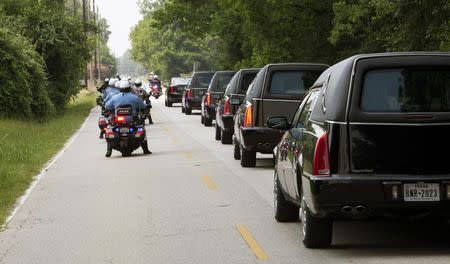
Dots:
(192, 95)
(214, 93)
(366, 142)
(175, 90)
(228, 105)
(277, 91)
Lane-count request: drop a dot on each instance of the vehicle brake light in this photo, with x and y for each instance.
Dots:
(120, 119)
(248, 116)
(321, 162)
(227, 107)
(172, 89)
(189, 93)
(208, 99)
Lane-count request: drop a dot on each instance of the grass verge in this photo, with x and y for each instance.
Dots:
(25, 147)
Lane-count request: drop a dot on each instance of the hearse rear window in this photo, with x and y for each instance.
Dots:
(201, 80)
(292, 82)
(406, 90)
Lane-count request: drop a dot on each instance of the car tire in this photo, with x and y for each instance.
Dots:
(248, 158)
(208, 122)
(226, 137)
(284, 210)
(169, 104)
(218, 134)
(202, 119)
(236, 150)
(183, 110)
(188, 111)
(165, 103)
(316, 232)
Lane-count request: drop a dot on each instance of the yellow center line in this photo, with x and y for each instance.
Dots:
(211, 185)
(166, 130)
(252, 243)
(188, 155)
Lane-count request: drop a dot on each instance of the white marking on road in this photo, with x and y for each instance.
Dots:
(21, 201)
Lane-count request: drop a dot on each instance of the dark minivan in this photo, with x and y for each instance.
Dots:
(276, 91)
(214, 93)
(192, 95)
(226, 108)
(368, 140)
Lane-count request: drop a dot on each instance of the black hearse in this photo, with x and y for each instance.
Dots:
(277, 90)
(369, 140)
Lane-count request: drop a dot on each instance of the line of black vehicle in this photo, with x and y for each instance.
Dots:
(358, 140)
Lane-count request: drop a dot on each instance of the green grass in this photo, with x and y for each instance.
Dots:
(26, 146)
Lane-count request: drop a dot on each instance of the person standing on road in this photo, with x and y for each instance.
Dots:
(126, 97)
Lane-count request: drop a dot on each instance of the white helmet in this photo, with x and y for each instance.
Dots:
(124, 85)
(155, 76)
(117, 84)
(112, 82)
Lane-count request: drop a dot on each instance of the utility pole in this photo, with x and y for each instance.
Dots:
(98, 46)
(96, 72)
(91, 69)
(85, 34)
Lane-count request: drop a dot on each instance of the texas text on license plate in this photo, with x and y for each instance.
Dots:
(421, 192)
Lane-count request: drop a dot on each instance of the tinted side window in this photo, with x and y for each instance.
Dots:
(247, 79)
(201, 80)
(231, 88)
(291, 82)
(406, 90)
(307, 110)
(224, 80)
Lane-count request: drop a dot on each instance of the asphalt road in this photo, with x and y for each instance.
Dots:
(188, 202)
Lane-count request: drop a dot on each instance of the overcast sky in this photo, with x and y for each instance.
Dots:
(122, 15)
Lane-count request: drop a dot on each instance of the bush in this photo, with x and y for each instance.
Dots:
(23, 81)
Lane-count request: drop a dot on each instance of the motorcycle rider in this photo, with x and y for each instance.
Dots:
(125, 97)
(114, 90)
(104, 86)
(111, 88)
(142, 93)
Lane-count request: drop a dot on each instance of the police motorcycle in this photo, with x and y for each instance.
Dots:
(126, 132)
(155, 86)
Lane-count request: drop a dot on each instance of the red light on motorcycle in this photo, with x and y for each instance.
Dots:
(140, 131)
(119, 119)
(227, 107)
(109, 133)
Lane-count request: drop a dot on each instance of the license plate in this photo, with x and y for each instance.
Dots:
(421, 192)
(124, 130)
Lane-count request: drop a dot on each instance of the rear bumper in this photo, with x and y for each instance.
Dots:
(327, 197)
(174, 98)
(194, 103)
(260, 139)
(226, 123)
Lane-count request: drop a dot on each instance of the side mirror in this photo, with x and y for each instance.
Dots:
(278, 122)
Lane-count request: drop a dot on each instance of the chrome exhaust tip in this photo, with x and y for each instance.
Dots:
(360, 209)
(347, 209)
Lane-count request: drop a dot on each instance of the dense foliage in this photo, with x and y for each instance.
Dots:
(44, 50)
(230, 34)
